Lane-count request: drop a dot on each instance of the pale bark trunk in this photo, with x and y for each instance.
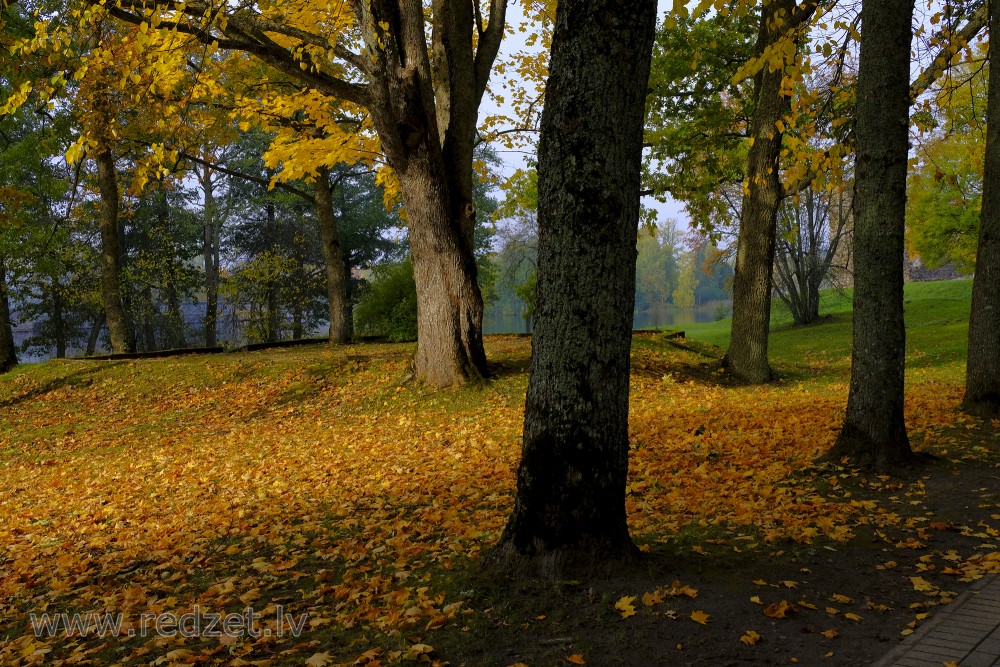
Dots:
(338, 297)
(426, 120)
(95, 333)
(8, 352)
(982, 382)
(874, 432)
(569, 514)
(119, 326)
(747, 357)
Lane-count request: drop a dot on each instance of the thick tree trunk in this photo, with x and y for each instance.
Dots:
(8, 352)
(982, 380)
(570, 509)
(449, 304)
(426, 119)
(747, 355)
(210, 254)
(337, 283)
(874, 432)
(111, 292)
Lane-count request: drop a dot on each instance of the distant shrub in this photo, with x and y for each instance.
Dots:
(388, 307)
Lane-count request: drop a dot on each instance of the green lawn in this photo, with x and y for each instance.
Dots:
(937, 323)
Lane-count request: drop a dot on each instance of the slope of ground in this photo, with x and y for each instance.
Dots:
(312, 481)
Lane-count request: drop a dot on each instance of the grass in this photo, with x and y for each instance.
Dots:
(937, 318)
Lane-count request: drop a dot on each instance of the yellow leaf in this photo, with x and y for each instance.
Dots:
(853, 617)
(625, 606)
(921, 584)
(700, 617)
(750, 638)
(779, 609)
(576, 659)
(319, 660)
(829, 634)
(842, 599)
(755, 599)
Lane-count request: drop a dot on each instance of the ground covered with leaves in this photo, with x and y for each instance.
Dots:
(312, 480)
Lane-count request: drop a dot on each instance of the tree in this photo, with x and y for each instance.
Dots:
(781, 21)
(420, 76)
(874, 432)
(570, 506)
(982, 383)
(811, 228)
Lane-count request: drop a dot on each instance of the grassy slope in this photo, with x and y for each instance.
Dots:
(310, 477)
(937, 320)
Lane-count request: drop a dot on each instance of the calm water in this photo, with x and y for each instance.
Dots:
(505, 318)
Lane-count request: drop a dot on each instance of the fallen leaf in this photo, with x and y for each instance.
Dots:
(750, 638)
(625, 606)
(700, 617)
(576, 659)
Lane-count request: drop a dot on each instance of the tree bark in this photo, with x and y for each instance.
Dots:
(982, 379)
(95, 333)
(569, 514)
(119, 326)
(426, 120)
(8, 351)
(747, 355)
(210, 254)
(337, 283)
(58, 319)
(874, 432)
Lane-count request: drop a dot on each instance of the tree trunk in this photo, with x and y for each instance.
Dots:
(874, 432)
(982, 380)
(58, 321)
(569, 515)
(337, 283)
(95, 333)
(210, 254)
(449, 304)
(111, 292)
(747, 355)
(8, 352)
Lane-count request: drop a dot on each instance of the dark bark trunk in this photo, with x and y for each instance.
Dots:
(569, 514)
(982, 380)
(148, 324)
(58, 321)
(874, 432)
(119, 326)
(8, 352)
(337, 283)
(747, 355)
(95, 333)
(210, 254)
(273, 323)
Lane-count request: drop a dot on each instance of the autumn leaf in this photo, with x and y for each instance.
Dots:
(625, 606)
(852, 617)
(576, 659)
(779, 609)
(842, 599)
(320, 659)
(922, 585)
(830, 634)
(700, 617)
(750, 638)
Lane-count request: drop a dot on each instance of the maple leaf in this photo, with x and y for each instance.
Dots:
(922, 585)
(830, 634)
(320, 659)
(625, 606)
(576, 659)
(750, 638)
(779, 609)
(842, 599)
(700, 617)
(852, 616)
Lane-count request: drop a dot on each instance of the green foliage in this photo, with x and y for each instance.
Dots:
(656, 267)
(944, 191)
(388, 307)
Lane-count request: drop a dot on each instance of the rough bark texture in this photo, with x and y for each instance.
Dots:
(338, 298)
(119, 326)
(982, 381)
(569, 514)
(425, 115)
(747, 355)
(874, 433)
(8, 353)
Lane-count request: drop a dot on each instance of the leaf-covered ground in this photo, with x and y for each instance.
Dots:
(310, 479)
